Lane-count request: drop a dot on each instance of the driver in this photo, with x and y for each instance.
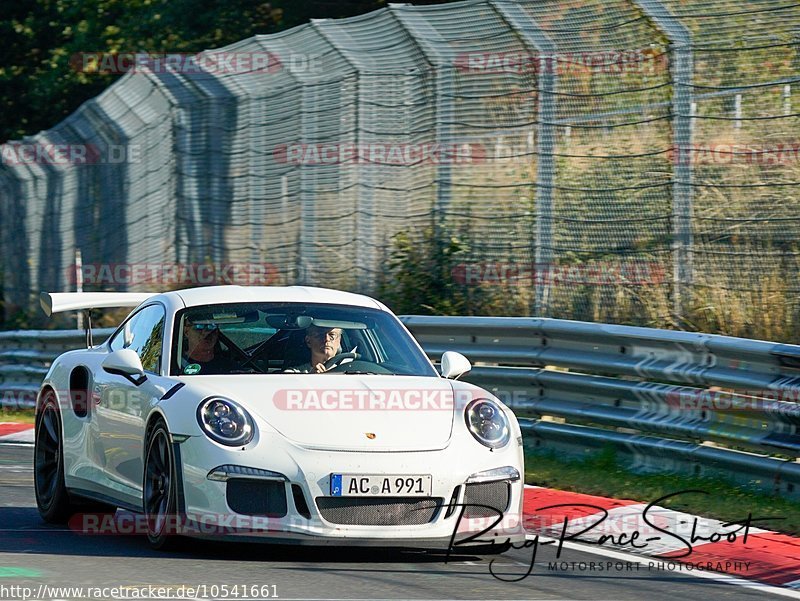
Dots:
(324, 343)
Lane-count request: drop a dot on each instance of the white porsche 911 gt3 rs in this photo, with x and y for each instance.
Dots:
(290, 414)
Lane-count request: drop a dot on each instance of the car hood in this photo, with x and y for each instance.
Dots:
(347, 412)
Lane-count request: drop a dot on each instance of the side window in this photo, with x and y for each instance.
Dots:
(143, 333)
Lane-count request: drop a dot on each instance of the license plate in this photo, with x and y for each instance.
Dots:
(373, 485)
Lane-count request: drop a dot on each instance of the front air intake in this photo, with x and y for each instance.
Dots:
(383, 511)
(491, 494)
(257, 497)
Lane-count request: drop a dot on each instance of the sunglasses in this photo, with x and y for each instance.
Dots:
(204, 326)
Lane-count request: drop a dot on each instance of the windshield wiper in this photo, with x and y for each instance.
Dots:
(367, 373)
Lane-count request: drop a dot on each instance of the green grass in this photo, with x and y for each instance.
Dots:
(24, 416)
(602, 476)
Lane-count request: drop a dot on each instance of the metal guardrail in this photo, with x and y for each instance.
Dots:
(700, 404)
(25, 357)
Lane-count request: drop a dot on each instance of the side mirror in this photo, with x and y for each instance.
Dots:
(454, 365)
(126, 363)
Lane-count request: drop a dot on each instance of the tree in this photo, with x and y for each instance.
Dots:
(41, 82)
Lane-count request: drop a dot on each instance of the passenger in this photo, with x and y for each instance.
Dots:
(202, 353)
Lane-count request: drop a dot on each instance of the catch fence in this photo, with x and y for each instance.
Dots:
(609, 160)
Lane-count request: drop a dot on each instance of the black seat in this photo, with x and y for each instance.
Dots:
(296, 351)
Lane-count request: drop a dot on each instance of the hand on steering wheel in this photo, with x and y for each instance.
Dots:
(330, 363)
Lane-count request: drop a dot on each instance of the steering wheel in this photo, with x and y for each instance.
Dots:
(337, 358)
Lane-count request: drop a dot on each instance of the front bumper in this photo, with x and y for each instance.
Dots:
(303, 477)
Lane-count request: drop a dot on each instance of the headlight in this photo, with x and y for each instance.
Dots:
(225, 421)
(488, 423)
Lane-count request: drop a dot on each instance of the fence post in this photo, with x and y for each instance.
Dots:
(538, 41)
(365, 223)
(431, 42)
(787, 99)
(307, 246)
(737, 109)
(78, 267)
(683, 126)
(445, 91)
(545, 178)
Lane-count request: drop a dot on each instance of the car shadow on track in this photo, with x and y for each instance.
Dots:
(23, 531)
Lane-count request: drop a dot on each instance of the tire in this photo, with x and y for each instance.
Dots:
(52, 497)
(159, 489)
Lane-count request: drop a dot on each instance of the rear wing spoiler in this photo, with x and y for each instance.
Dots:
(57, 302)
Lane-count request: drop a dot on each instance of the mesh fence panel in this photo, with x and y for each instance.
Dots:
(394, 117)
(744, 158)
(613, 160)
(612, 190)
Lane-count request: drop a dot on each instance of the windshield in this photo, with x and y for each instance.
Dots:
(269, 338)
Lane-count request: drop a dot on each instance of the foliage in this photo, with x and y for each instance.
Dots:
(423, 278)
(420, 278)
(40, 84)
(19, 416)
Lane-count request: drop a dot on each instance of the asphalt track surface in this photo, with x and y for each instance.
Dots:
(36, 555)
